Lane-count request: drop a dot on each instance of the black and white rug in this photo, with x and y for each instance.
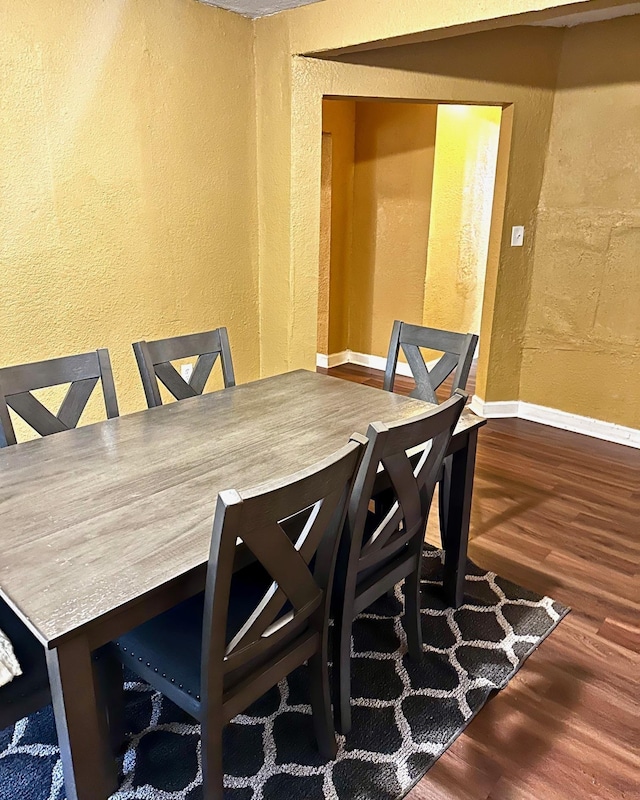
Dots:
(405, 715)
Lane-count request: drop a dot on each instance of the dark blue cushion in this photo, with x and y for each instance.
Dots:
(170, 645)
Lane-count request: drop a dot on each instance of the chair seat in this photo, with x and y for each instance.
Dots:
(30, 691)
(170, 645)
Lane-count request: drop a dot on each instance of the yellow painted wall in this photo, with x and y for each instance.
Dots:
(463, 186)
(127, 179)
(144, 144)
(289, 93)
(279, 315)
(392, 195)
(335, 24)
(516, 68)
(582, 346)
(339, 119)
(381, 187)
(324, 258)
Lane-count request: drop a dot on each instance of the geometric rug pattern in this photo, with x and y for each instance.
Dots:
(405, 714)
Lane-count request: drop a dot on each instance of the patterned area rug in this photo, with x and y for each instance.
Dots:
(405, 714)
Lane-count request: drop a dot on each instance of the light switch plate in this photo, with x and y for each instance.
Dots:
(517, 236)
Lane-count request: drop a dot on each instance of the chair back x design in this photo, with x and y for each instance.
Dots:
(458, 350)
(82, 372)
(382, 547)
(257, 621)
(154, 361)
(292, 531)
(30, 691)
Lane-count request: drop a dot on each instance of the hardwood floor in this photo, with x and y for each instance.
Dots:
(558, 513)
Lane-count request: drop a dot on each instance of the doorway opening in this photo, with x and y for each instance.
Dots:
(406, 217)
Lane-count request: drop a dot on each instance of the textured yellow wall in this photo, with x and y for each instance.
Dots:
(516, 68)
(127, 179)
(463, 186)
(392, 196)
(582, 347)
(278, 314)
(335, 24)
(324, 258)
(339, 118)
(378, 265)
(289, 107)
(381, 188)
(144, 144)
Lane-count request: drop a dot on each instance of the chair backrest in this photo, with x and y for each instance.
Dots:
(412, 483)
(154, 361)
(81, 371)
(300, 568)
(457, 348)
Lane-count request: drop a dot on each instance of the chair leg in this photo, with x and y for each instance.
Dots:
(412, 619)
(341, 658)
(321, 704)
(444, 488)
(212, 767)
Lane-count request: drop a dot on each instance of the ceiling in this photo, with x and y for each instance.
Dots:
(258, 8)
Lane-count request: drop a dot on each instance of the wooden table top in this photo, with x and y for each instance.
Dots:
(95, 517)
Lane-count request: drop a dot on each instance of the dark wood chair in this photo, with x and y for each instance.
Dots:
(458, 350)
(30, 691)
(154, 361)
(81, 371)
(381, 547)
(219, 651)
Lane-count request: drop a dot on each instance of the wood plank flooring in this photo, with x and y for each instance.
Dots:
(558, 513)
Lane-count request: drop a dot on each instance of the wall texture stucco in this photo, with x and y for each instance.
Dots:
(582, 344)
(289, 93)
(339, 119)
(127, 180)
(391, 202)
(160, 173)
(466, 152)
(336, 24)
(324, 256)
(404, 244)
(514, 68)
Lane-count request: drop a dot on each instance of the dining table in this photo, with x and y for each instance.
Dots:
(109, 524)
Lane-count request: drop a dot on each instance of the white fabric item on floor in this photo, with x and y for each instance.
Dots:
(9, 666)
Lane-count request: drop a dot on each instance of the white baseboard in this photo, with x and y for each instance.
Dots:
(377, 362)
(499, 410)
(599, 429)
(332, 360)
(361, 359)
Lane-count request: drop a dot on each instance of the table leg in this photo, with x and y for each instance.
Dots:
(456, 491)
(90, 771)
